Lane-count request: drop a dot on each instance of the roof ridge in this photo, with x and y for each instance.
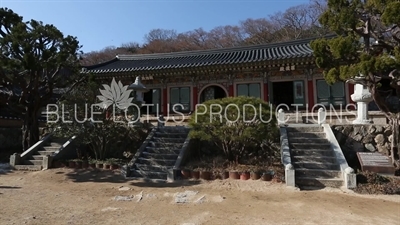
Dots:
(217, 50)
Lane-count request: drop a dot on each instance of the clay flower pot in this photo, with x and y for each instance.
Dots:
(185, 173)
(85, 164)
(71, 164)
(114, 167)
(266, 177)
(234, 175)
(225, 175)
(99, 165)
(92, 165)
(78, 164)
(255, 175)
(195, 174)
(106, 166)
(205, 175)
(245, 176)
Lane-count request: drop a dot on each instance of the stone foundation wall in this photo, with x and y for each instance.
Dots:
(362, 138)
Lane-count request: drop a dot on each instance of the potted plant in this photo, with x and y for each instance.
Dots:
(78, 163)
(99, 164)
(114, 164)
(245, 175)
(92, 163)
(71, 163)
(255, 174)
(85, 163)
(195, 174)
(205, 174)
(233, 173)
(107, 164)
(185, 172)
(225, 174)
(266, 176)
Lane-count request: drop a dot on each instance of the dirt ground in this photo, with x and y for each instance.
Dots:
(66, 196)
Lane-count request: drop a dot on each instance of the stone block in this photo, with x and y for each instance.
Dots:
(15, 159)
(380, 139)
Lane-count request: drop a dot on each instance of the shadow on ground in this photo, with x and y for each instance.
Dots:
(103, 176)
(9, 187)
(157, 184)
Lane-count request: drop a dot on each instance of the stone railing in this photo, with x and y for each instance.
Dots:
(125, 170)
(348, 174)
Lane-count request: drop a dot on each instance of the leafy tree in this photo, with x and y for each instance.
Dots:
(368, 44)
(104, 130)
(234, 124)
(35, 59)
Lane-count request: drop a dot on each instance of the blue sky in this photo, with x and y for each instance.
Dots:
(102, 23)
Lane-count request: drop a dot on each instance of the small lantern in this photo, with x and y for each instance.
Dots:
(139, 89)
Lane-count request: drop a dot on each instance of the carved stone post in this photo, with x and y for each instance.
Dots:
(362, 96)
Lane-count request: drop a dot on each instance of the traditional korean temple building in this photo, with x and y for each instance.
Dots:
(280, 73)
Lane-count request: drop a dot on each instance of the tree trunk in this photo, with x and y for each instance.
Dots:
(395, 154)
(30, 128)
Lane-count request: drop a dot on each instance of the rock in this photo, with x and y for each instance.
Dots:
(388, 132)
(382, 149)
(124, 189)
(380, 139)
(370, 147)
(356, 130)
(372, 129)
(122, 198)
(185, 197)
(358, 137)
(390, 138)
(369, 138)
(379, 129)
(109, 209)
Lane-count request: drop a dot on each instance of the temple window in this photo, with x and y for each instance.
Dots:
(251, 90)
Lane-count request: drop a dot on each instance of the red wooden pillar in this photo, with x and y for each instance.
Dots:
(310, 87)
(195, 98)
(266, 96)
(348, 95)
(231, 90)
(165, 101)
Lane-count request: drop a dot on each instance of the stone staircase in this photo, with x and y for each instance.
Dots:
(313, 159)
(35, 161)
(160, 153)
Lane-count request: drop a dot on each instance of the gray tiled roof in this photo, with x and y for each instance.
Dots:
(190, 59)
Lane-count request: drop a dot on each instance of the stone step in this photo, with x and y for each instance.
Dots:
(53, 144)
(33, 162)
(319, 182)
(305, 129)
(316, 165)
(156, 162)
(308, 140)
(51, 148)
(154, 168)
(45, 152)
(312, 152)
(312, 158)
(149, 174)
(303, 172)
(306, 135)
(165, 145)
(28, 167)
(168, 140)
(160, 156)
(38, 157)
(170, 135)
(322, 146)
(162, 150)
